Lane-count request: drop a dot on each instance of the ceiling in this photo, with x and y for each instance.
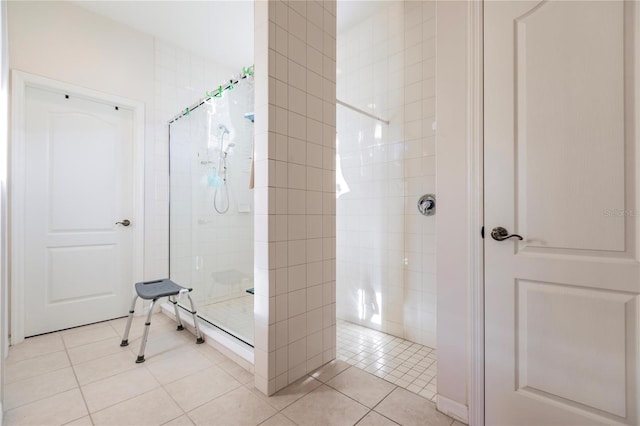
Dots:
(219, 30)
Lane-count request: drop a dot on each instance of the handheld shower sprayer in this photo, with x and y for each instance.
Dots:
(221, 187)
(222, 130)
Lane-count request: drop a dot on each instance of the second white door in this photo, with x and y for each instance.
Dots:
(562, 169)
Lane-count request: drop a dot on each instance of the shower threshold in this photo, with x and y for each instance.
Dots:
(236, 349)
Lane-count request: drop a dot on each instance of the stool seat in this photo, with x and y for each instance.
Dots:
(154, 290)
(150, 290)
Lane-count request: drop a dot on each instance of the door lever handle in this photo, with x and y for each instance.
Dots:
(500, 234)
(125, 222)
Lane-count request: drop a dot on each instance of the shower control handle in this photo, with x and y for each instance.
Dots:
(427, 204)
(125, 222)
(500, 234)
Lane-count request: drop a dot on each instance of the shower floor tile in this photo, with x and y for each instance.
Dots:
(234, 315)
(405, 364)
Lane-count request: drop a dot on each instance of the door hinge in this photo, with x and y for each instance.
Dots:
(482, 232)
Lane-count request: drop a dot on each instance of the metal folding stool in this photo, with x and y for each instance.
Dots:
(154, 290)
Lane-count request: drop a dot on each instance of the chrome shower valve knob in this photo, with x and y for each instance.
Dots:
(427, 204)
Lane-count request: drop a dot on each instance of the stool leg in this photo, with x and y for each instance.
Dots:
(146, 333)
(200, 337)
(174, 300)
(125, 338)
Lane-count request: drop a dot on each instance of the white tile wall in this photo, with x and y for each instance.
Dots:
(295, 149)
(385, 248)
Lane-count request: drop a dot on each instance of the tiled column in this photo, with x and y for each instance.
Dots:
(295, 58)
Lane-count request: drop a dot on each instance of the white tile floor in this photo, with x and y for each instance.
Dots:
(406, 364)
(83, 377)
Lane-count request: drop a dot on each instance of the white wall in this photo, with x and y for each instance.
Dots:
(453, 209)
(4, 243)
(64, 42)
(385, 247)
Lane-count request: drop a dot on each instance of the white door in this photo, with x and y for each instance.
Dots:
(78, 182)
(562, 170)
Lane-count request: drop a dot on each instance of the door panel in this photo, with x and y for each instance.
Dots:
(67, 139)
(83, 272)
(561, 114)
(564, 152)
(78, 181)
(578, 357)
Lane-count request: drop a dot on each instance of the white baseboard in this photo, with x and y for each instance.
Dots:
(453, 409)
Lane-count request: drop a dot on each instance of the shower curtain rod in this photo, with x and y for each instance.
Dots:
(246, 72)
(368, 114)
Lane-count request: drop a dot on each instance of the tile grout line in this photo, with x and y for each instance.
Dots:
(38, 400)
(80, 387)
(95, 358)
(287, 417)
(364, 347)
(35, 358)
(204, 403)
(84, 400)
(362, 418)
(297, 399)
(240, 383)
(106, 377)
(113, 405)
(351, 398)
(43, 398)
(119, 402)
(190, 418)
(177, 417)
(184, 412)
(385, 397)
(380, 414)
(269, 418)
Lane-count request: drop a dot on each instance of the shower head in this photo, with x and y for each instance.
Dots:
(222, 128)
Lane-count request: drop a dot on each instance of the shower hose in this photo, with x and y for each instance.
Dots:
(222, 189)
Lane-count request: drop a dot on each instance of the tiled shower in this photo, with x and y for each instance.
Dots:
(385, 247)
